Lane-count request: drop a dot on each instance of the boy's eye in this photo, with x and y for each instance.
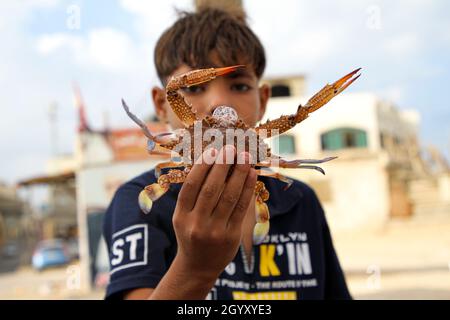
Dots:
(241, 87)
(193, 89)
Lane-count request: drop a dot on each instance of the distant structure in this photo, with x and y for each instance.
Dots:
(222, 4)
(11, 213)
(81, 185)
(287, 86)
(380, 172)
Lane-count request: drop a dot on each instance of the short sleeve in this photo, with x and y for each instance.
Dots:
(335, 284)
(136, 245)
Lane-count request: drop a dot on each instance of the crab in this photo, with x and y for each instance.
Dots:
(221, 121)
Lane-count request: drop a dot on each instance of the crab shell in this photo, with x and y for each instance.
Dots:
(218, 129)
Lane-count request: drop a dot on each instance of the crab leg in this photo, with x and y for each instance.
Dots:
(154, 191)
(179, 105)
(328, 92)
(296, 164)
(275, 175)
(153, 141)
(169, 164)
(262, 225)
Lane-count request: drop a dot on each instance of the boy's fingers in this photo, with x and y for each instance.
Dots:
(240, 209)
(194, 180)
(214, 183)
(233, 189)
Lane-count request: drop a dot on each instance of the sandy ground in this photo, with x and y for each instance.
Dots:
(402, 260)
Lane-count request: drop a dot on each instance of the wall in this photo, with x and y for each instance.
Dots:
(355, 189)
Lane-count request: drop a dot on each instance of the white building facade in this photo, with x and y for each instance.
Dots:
(373, 140)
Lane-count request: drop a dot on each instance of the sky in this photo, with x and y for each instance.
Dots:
(105, 46)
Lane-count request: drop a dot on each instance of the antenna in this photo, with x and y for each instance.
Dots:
(79, 103)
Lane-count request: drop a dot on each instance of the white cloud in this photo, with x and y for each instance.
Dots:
(111, 49)
(314, 47)
(394, 93)
(49, 43)
(403, 45)
(105, 48)
(13, 12)
(321, 38)
(152, 19)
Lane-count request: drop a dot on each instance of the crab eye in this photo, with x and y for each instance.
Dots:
(150, 145)
(225, 115)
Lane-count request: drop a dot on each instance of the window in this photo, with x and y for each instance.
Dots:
(286, 144)
(280, 90)
(343, 138)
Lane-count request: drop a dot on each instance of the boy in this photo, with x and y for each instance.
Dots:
(197, 241)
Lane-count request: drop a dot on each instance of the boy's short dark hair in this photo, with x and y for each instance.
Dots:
(192, 38)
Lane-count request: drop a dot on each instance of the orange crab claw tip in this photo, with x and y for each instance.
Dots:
(226, 70)
(261, 211)
(145, 203)
(150, 194)
(345, 78)
(260, 232)
(348, 83)
(155, 191)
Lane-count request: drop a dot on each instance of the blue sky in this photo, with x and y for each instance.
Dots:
(403, 47)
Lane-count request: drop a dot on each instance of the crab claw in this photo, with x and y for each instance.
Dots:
(199, 76)
(227, 70)
(308, 161)
(325, 95)
(341, 84)
(313, 167)
(261, 211)
(151, 193)
(260, 231)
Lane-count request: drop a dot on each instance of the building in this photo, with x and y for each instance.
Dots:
(106, 159)
(379, 158)
(82, 185)
(11, 212)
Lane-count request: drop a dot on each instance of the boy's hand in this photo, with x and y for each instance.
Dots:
(209, 213)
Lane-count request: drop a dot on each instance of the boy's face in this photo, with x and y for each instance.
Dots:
(239, 90)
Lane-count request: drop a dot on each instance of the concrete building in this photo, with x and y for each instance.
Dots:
(11, 212)
(378, 153)
(105, 161)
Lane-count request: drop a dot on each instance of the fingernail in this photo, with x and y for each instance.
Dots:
(251, 178)
(210, 156)
(229, 152)
(244, 158)
(229, 148)
(248, 158)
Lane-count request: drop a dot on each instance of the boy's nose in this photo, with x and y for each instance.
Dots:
(217, 98)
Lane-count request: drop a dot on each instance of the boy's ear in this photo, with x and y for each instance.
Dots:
(159, 100)
(264, 95)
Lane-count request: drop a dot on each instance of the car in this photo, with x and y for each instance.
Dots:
(50, 253)
(73, 249)
(10, 250)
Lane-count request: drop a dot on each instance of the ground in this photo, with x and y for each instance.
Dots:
(402, 260)
(407, 259)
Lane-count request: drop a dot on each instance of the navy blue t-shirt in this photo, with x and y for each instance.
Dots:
(296, 260)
